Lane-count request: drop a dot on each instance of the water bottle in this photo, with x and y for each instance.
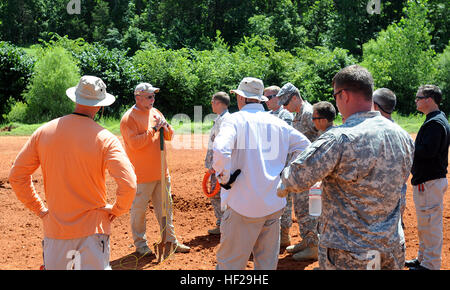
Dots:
(315, 200)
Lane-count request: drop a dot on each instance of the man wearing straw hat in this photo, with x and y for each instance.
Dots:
(256, 144)
(74, 152)
(140, 131)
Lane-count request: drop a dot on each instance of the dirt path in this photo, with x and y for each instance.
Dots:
(21, 231)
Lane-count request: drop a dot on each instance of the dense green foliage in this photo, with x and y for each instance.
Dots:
(401, 58)
(46, 96)
(16, 68)
(193, 48)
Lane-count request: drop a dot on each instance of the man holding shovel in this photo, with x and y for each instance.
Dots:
(141, 127)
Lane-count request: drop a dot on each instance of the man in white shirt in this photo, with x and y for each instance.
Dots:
(256, 144)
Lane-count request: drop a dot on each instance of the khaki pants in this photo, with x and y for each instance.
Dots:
(241, 236)
(429, 203)
(145, 193)
(87, 253)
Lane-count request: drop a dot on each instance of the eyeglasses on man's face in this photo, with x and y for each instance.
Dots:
(318, 118)
(421, 97)
(338, 93)
(147, 96)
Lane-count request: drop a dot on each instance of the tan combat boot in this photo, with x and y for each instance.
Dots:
(297, 247)
(285, 239)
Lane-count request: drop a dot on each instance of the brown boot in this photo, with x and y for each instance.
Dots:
(285, 239)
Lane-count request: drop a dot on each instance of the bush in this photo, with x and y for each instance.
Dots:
(55, 72)
(113, 66)
(442, 78)
(171, 71)
(16, 69)
(315, 69)
(115, 69)
(18, 112)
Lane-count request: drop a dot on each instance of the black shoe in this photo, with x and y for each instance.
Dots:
(418, 268)
(412, 263)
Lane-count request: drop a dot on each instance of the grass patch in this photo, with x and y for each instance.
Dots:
(18, 129)
(410, 123)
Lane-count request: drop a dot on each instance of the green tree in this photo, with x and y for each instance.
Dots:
(442, 78)
(16, 69)
(401, 58)
(46, 98)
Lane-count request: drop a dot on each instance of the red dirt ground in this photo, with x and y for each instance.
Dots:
(21, 231)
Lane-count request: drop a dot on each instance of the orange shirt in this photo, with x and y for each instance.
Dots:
(142, 144)
(73, 152)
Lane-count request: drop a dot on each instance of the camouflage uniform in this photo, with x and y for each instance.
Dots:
(215, 200)
(307, 224)
(363, 165)
(286, 218)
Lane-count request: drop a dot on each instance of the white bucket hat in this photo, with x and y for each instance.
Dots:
(251, 88)
(145, 87)
(90, 91)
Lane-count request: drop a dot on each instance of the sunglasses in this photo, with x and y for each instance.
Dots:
(318, 118)
(338, 93)
(421, 97)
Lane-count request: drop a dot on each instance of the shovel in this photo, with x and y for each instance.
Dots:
(163, 249)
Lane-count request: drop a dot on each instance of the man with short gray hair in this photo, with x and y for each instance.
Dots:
(140, 127)
(289, 96)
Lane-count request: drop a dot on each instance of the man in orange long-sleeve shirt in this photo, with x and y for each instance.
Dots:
(140, 131)
(74, 153)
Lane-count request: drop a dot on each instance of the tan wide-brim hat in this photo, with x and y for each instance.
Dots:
(90, 91)
(251, 88)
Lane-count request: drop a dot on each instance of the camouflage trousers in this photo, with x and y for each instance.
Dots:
(215, 201)
(336, 259)
(307, 224)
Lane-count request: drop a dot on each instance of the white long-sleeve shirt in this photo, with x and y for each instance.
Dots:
(257, 143)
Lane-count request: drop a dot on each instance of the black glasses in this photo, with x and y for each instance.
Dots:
(271, 96)
(318, 118)
(421, 97)
(338, 92)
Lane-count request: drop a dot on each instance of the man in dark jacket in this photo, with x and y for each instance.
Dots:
(429, 178)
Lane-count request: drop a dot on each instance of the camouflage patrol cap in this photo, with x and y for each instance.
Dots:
(286, 92)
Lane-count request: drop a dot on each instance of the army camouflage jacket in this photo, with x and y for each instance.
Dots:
(363, 165)
(283, 114)
(303, 122)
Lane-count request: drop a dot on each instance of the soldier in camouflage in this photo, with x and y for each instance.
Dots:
(219, 103)
(290, 97)
(363, 165)
(278, 110)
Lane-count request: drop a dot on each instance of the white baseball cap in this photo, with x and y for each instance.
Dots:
(145, 87)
